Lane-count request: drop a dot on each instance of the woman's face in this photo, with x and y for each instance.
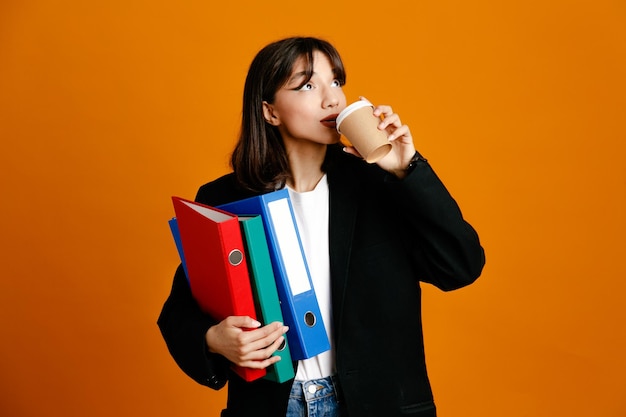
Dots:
(308, 112)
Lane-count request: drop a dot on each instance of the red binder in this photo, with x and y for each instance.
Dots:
(216, 264)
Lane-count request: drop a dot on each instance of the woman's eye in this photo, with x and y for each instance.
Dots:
(307, 86)
(336, 83)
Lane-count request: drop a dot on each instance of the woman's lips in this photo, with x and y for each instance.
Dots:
(330, 121)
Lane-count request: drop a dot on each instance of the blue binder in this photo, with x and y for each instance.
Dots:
(306, 336)
(179, 243)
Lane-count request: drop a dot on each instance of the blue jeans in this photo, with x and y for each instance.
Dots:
(315, 398)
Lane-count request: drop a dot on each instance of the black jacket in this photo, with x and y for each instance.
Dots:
(385, 236)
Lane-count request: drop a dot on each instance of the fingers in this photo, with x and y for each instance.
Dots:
(389, 117)
(244, 343)
(243, 322)
(383, 110)
(403, 132)
(392, 124)
(262, 358)
(261, 338)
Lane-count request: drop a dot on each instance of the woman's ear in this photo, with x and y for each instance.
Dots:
(269, 114)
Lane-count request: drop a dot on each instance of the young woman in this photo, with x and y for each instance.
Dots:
(371, 232)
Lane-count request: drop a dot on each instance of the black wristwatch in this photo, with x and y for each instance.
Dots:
(413, 162)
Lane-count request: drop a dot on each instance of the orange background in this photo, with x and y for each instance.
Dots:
(109, 108)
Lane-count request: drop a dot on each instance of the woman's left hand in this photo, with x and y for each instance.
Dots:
(401, 140)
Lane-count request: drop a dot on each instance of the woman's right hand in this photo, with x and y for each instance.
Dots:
(243, 341)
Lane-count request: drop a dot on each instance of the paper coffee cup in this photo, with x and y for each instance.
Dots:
(359, 125)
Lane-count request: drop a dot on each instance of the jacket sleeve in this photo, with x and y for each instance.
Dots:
(445, 248)
(183, 326)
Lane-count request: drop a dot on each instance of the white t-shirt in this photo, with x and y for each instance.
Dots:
(311, 211)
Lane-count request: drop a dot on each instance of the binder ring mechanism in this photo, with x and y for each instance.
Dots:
(282, 345)
(235, 257)
(309, 318)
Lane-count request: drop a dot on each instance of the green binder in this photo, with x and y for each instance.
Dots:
(264, 290)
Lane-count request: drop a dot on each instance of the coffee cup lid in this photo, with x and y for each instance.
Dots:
(351, 108)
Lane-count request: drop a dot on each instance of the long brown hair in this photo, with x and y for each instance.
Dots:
(259, 159)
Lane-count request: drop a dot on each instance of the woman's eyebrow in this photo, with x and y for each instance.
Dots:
(298, 79)
(297, 76)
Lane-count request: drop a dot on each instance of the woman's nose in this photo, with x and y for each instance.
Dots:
(331, 97)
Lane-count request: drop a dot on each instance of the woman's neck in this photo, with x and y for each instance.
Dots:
(306, 167)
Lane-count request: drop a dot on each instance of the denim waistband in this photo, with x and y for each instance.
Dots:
(315, 388)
